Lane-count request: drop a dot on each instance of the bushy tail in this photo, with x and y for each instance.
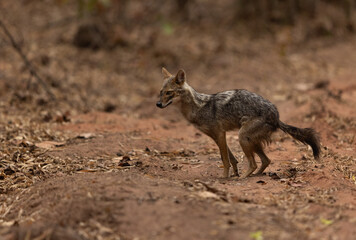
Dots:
(304, 135)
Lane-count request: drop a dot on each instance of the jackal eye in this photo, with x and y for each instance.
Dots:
(169, 93)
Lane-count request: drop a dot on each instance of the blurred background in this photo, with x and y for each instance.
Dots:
(106, 55)
(85, 152)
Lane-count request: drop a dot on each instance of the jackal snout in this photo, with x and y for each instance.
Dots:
(172, 87)
(160, 105)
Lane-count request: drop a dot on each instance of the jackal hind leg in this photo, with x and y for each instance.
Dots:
(261, 135)
(233, 162)
(253, 133)
(264, 159)
(248, 150)
(220, 140)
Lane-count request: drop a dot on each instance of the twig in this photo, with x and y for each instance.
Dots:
(26, 61)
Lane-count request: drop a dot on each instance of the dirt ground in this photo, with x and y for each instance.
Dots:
(103, 162)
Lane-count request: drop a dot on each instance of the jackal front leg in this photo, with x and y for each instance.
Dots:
(233, 162)
(221, 142)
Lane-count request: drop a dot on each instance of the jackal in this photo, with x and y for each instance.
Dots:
(255, 117)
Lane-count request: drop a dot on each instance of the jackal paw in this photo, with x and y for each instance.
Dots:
(245, 175)
(226, 173)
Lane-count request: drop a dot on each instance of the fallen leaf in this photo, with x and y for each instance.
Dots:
(321, 84)
(9, 171)
(303, 87)
(7, 224)
(256, 235)
(274, 176)
(49, 144)
(86, 135)
(207, 194)
(87, 170)
(124, 164)
(354, 178)
(295, 184)
(326, 222)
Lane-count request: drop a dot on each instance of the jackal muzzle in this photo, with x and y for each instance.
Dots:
(160, 105)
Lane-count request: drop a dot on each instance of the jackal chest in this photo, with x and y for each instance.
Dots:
(188, 114)
(191, 114)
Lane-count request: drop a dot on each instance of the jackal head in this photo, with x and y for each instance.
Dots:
(172, 87)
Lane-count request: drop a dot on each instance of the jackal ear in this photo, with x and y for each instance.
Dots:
(165, 73)
(180, 77)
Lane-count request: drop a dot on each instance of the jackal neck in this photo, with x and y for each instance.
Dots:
(190, 96)
(192, 101)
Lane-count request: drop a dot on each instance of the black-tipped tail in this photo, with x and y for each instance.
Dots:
(304, 135)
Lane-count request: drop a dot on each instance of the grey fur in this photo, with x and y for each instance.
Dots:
(226, 110)
(256, 117)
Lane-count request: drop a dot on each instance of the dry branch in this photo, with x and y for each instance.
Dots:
(26, 61)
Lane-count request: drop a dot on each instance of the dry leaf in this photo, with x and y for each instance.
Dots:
(49, 144)
(207, 194)
(86, 135)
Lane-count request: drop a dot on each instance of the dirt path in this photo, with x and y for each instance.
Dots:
(153, 178)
